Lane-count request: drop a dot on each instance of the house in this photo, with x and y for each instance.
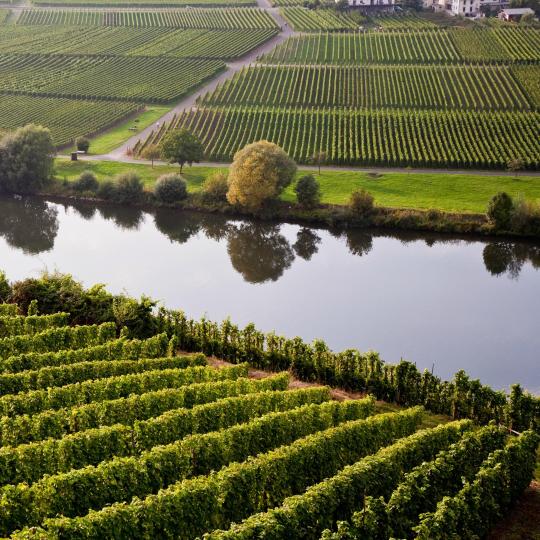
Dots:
(514, 14)
(375, 4)
(468, 8)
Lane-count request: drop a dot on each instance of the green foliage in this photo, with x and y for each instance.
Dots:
(194, 506)
(307, 189)
(87, 181)
(215, 187)
(128, 188)
(181, 146)
(106, 189)
(500, 210)
(482, 501)
(33, 324)
(82, 144)
(26, 159)
(30, 428)
(55, 339)
(361, 203)
(266, 421)
(170, 188)
(305, 516)
(5, 290)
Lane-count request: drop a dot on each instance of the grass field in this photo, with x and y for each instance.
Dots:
(447, 192)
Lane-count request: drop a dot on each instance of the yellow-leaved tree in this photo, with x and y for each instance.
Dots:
(259, 172)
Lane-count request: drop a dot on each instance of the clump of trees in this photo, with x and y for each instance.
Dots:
(26, 159)
(520, 215)
(259, 174)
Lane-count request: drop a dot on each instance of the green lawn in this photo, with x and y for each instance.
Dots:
(448, 192)
(114, 137)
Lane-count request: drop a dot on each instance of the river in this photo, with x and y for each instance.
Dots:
(441, 302)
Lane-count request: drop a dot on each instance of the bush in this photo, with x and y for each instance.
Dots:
(215, 187)
(259, 173)
(500, 210)
(170, 188)
(87, 181)
(361, 203)
(526, 217)
(82, 144)
(307, 191)
(128, 188)
(106, 190)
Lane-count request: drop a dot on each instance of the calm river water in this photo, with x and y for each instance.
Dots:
(443, 303)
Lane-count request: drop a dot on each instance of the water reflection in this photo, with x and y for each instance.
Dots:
(28, 224)
(258, 251)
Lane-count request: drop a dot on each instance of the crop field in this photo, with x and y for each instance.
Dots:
(359, 137)
(100, 434)
(149, 3)
(396, 22)
(410, 47)
(308, 20)
(244, 18)
(430, 87)
(142, 79)
(529, 78)
(66, 118)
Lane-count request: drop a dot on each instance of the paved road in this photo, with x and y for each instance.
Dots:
(189, 101)
(382, 170)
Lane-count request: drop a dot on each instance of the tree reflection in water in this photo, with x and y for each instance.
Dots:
(257, 250)
(28, 224)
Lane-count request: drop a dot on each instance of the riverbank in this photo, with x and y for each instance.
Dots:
(447, 203)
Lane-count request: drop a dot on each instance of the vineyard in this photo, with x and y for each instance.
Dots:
(146, 3)
(410, 47)
(429, 87)
(359, 137)
(308, 20)
(222, 19)
(66, 118)
(100, 433)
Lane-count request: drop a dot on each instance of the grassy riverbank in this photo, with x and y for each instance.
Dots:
(454, 193)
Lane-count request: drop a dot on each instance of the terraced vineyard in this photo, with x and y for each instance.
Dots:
(382, 137)
(244, 18)
(430, 87)
(396, 22)
(101, 434)
(410, 47)
(144, 3)
(66, 118)
(309, 20)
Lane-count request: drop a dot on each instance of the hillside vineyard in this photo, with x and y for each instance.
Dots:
(101, 433)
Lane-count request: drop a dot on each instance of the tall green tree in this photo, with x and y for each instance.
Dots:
(26, 159)
(181, 146)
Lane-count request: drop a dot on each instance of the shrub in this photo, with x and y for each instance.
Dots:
(82, 144)
(526, 217)
(361, 203)
(170, 188)
(106, 190)
(215, 187)
(500, 210)
(259, 173)
(87, 181)
(128, 188)
(307, 190)
(515, 165)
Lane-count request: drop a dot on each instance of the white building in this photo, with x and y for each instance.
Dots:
(467, 8)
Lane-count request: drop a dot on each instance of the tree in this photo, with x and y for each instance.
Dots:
(170, 188)
(26, 159)
(319, 158)
(87, 181)
(307, 190)
(259, 173)
(180, 146)
(500, 210)
(5, 287)
(151, 153)
(82, 143)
